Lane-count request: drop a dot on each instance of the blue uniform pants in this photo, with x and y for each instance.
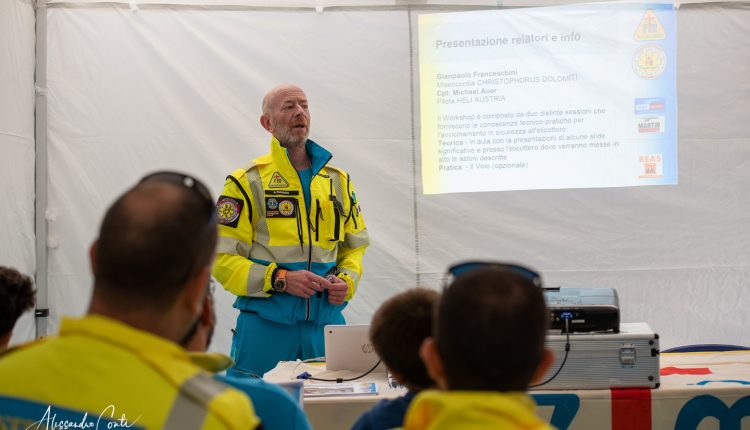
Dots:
(259, 344)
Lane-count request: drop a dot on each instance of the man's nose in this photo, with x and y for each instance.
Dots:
(299, 110)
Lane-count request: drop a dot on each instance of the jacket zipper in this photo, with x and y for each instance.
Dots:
(309, 236)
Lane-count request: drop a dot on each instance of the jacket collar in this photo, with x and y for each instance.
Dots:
(115, 332)
(319, 156)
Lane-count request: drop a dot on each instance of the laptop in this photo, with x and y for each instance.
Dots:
(348, 347)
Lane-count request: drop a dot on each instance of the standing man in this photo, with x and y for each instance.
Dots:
(291, 241)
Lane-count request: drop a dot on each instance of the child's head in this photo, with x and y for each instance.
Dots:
(489, 332)
(397, 331)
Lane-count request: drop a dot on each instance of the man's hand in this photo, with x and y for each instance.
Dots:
(302, 283)
(337, 290)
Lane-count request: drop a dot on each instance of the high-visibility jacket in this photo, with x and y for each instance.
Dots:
(100, 369)
(457, 410)
(264, 224)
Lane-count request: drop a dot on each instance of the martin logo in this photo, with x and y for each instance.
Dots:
(650, 124)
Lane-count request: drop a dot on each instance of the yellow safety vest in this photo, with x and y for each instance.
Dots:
(102, 370)
(458, 410)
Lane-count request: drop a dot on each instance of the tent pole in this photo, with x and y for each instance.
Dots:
(40, 172)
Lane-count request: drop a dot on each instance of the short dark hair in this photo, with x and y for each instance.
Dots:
(16, 297)
(490, 328)
(397, 330)
(152, 239)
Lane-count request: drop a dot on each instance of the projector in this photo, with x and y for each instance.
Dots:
(587, 309)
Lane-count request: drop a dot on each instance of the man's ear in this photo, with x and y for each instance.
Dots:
(92, 256)
(265, 121)
(195, 290)
(548, 357)
(428, 352)
(207, 314)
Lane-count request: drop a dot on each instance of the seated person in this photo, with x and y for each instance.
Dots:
(487, 348)
(276, 409)
(16, 297)
(397, 331)
(121, 365)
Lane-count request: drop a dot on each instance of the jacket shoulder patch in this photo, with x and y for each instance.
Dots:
(228, 210)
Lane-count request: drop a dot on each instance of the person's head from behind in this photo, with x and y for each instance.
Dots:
(16, 297)
(153, 257)
(397, 331)
(489, 332)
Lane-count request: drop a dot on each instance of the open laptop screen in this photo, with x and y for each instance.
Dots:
(348, 347)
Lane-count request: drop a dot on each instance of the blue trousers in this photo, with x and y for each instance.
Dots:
(259, 344)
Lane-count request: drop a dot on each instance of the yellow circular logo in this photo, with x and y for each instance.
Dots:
(286, 207)
(649, 61)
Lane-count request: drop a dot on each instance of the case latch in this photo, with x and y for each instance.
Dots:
(627, 355)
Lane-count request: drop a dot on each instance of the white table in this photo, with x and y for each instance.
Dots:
(699, 391)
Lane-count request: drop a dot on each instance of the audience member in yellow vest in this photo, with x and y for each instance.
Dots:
(121, 365)
(16, 297)
(487, 348)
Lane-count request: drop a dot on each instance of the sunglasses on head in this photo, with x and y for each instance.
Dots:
(468, 266)
(200, 190)
(189, 182)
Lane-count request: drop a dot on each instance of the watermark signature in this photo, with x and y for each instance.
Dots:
(105, 420)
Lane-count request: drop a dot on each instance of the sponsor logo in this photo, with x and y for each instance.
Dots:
(649, 106)
(651, 166)
(649, 61)
(649, 28)
(650, 124)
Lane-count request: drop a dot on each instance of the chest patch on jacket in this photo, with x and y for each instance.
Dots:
(228, 210)
(281, 207)
(277, 181)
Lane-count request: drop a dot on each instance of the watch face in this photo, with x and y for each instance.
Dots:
(280, 285)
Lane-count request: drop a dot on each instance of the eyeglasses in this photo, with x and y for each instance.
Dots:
(468, 266)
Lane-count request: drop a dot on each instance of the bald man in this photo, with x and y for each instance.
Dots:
(291, 241)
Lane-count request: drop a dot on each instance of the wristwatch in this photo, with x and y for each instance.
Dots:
(279, 284)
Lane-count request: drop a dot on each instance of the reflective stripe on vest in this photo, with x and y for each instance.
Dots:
(191, 406)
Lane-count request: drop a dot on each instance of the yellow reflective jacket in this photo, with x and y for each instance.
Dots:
(457, 410)
(99, 370)
(264, 223)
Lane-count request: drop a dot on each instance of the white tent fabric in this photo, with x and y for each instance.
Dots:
(17, 144)
(134, 89)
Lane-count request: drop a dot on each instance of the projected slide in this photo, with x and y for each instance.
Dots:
(544, 98)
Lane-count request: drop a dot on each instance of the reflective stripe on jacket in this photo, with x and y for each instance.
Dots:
(265, 223)
(100, 367)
